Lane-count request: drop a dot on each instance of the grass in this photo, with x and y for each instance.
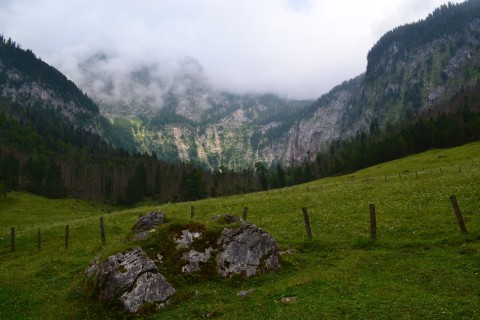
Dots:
(420, 267)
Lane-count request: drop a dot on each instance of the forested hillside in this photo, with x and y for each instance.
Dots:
(54, 142)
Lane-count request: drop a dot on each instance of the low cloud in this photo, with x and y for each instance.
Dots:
(138, 50)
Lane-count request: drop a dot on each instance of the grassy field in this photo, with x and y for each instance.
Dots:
(420, 267)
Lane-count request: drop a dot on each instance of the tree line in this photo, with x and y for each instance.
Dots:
(60, 163)
(42, 154)
(453, 123)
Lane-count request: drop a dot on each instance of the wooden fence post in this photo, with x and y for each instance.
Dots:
(102, 231)
(192, 212)
(39, 239)
(458, 214)
(373, 222)
(245, 213)
(307, 223)
(66, 236)
(12, 241)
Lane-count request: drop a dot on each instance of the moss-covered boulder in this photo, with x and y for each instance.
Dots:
(130, 278)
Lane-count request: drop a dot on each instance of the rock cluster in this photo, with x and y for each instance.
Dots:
(133, 279)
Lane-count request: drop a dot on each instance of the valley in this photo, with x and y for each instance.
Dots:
(82, 161)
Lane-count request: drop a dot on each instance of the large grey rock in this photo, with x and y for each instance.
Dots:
(130, 277)
(149, 221)
(149, 287)
(246, 250)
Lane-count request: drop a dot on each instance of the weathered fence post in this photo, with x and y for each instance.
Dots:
(102, 231)
(66, 236)
(12, 241)
(307, 223)
(373, 222)
(458, 214)
(39, 239)
(245, 213)
(192, 212)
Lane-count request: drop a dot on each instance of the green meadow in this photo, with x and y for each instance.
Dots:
(420, 267)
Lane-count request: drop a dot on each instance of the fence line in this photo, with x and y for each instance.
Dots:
(349, 179)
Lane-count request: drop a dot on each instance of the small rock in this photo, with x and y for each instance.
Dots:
(186, 239)
(285, 252)
(194, 258)
(245, 293)
(149, 221)
(290, 299)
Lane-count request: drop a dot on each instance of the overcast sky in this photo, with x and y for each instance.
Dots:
(295, 48)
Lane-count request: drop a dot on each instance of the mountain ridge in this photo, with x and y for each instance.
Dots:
(410, 70)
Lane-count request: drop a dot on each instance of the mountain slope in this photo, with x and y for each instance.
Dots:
(30, 82)
(54, 142)
(416, 66)
(411, 72)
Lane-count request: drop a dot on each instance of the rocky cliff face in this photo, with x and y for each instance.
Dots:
(405, 79)
(32, 83)
(410, 71)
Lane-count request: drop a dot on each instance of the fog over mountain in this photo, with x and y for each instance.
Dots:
(138, 50)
